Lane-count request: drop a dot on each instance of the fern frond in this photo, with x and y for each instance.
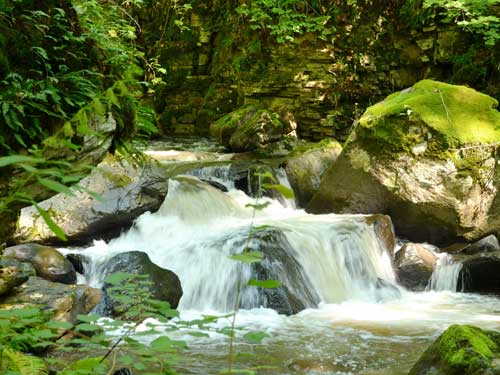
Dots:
(22, 364)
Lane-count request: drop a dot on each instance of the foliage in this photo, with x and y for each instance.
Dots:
(286, 19)
(31, 330)
(475, 16)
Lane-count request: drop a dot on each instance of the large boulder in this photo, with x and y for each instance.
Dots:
(427, 157)
(305, 169)
(64, 301)
(251, 127)
(49, 263)
(461, 350)
(414, 265)
(487, 244)
(112, 196)
(165, 285)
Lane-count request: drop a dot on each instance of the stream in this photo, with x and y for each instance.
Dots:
(356, 320)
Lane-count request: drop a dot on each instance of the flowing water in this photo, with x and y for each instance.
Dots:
(358, 320)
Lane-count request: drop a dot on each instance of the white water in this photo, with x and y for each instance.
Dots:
(446, 273)
(198, 227)
(360, 326)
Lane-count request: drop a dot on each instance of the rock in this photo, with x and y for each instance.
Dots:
(461, 350)
(12, 273)
(295, 292)
(251, 127)
(484, 245)
(64, 301)
(480, 273)
(166, 286)
(382, 225)
(126, 192)
(49, 263)
(78, 261)
(304, 170)
(430, 166)
(414, 265)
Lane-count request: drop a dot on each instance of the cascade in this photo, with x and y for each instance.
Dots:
(318, 258)
(446, 273)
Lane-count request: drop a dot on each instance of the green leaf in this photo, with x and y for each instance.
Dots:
(268, 284)
(90, 318)
(258, 206)
(53, 324)
(248, 257)
(16, 159)
(56, 229)
(87, 327)
(56, 186)
(255, 337)
(283, 190)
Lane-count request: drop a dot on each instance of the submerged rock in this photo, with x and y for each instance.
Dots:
(49, 263)
(304, 170)
(64, 301)
(165, 285)
(414, 265)
(126, 191)
(251, 127)
(461, 350)
(426, 156)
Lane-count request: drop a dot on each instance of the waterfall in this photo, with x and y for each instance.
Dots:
(446, 273)
(318, 258)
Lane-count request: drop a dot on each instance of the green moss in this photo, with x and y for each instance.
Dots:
(459, 114)
(461, 349)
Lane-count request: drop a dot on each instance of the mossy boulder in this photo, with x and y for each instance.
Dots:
(461, 350)
(13, 273)
(250, 127)
(427, 156)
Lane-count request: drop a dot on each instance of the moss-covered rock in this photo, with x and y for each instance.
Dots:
(427, 157)
(249, 128)
(461, 350)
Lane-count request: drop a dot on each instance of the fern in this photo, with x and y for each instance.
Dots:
(14, 362)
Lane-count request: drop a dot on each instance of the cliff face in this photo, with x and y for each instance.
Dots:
(375, 48)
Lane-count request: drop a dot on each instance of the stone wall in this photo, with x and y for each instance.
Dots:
(326, 85)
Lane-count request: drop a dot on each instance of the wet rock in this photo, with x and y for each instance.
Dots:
(295, 292)
(480, 273)
(484, 245)
(78, 261)
(12, 273)
(126, 191)
(49, 263)
(304, 170)
(384, 230)
(64, 301)
(251, 127)
(165, 286)
(414, 265)
(411, 157)
(461, 350)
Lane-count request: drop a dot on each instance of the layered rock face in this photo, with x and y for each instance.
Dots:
(426, 156)
(222, 64)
